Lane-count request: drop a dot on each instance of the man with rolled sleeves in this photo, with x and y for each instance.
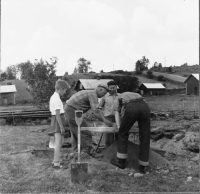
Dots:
(84, 100)
(133, 108)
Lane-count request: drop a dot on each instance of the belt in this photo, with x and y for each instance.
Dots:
(135, 100)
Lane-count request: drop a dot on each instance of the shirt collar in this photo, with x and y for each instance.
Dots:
(56, 93)
(116, 94)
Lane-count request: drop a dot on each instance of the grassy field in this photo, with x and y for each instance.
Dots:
(26, 168)
(178, 102)
(26, 164)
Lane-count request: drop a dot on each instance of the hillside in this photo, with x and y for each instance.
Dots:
(169, 85)
(168, 76)
(183, 70)
(22, 94)
(72, 79)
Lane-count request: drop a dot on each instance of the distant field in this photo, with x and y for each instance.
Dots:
(185, 70)
(157, 103)
(173, 102)
(171, 77)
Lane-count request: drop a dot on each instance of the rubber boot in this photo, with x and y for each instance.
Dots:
(118, 162)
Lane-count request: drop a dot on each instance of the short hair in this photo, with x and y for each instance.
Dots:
(112, 83)
(62, 84)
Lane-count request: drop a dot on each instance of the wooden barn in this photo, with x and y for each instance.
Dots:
(152, 89)
(7, 95)
(90, 84)
(192, 84)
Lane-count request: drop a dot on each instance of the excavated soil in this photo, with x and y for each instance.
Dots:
(155, 159)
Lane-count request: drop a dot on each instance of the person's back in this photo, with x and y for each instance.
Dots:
(128, 96)
(83, 100)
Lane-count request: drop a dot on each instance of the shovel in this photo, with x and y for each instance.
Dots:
(79, 171)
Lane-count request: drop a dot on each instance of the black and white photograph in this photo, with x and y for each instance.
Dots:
(99, 96)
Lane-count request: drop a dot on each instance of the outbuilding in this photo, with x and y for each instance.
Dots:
(90, 84)
(152, 89)
(192, 84)
(7, 94)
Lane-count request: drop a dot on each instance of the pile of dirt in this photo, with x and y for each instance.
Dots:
(155, 159)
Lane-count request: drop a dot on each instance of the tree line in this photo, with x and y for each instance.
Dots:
(41, 76)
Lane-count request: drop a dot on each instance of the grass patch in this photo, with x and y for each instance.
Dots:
(27, 172)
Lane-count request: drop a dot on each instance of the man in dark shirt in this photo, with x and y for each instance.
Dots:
(133, 108)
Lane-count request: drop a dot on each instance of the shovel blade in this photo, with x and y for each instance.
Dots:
(79, 172)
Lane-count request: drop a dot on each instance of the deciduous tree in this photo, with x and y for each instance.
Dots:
(141, 65)
(41, 78)
(11, 72)
(83, 65)
(3, 76)
(23, 68)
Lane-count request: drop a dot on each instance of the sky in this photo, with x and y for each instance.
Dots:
(111, 34)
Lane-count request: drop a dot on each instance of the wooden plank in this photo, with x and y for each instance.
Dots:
(100, 129)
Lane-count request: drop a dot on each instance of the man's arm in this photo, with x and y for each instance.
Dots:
(117, 119)
(99, 115)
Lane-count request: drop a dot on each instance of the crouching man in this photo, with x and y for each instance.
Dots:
(133, 108)
(85, 100)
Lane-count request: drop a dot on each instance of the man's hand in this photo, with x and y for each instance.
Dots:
(98, 114)
(108, 123)
(116, 128)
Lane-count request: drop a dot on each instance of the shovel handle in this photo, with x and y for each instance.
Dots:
(79, 143)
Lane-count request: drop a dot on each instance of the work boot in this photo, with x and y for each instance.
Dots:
(91, 151)
(118, 162)
(142, 169)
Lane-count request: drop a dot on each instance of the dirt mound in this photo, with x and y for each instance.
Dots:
(155, 159)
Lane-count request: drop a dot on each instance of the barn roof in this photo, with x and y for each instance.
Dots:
(91, 84)
(7, 89)
(196, 75)
(153, 85)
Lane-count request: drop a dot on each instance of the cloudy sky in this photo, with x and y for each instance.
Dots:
(112, 34)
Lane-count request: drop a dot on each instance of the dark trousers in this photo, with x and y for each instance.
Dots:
(135, 111)
(110, 137)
